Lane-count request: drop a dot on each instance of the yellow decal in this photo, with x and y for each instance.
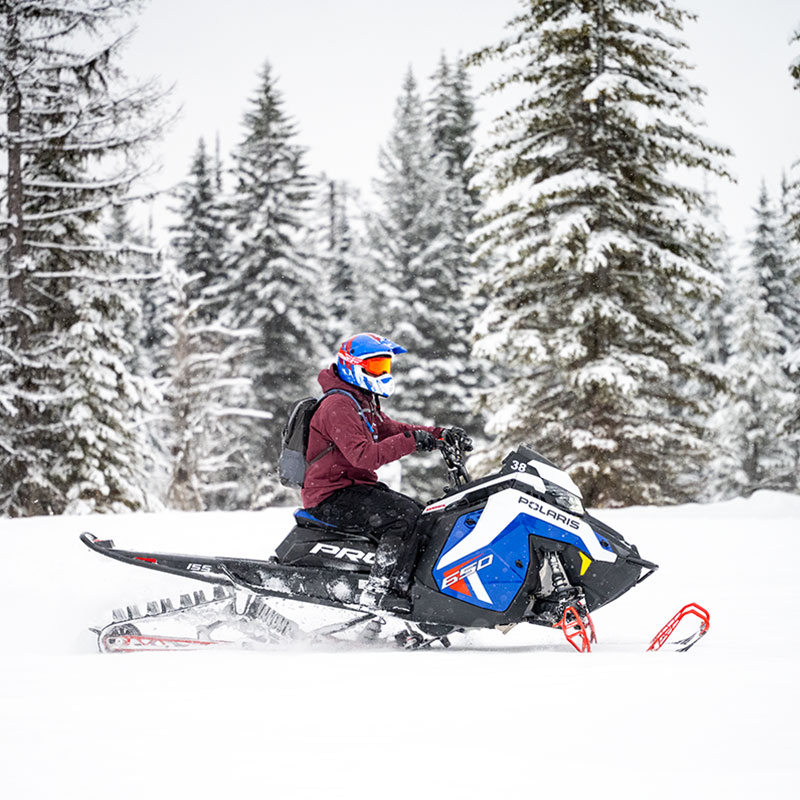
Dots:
(585, 563)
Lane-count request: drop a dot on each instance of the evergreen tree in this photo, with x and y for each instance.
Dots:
(789, 239)
(772, 262)
(589, 317)
(792, 227)
(274, 283)
(757, 447)
(201, 239)
(422, 256)
(451, 122)
(200, 349)
(104, 460)
(793, 190)
(337, 261)
(186, 393)
(713, 313)
(790, 244)
(753, 448)
(337, 249)
(72, 413)
(402, 228)
(203, 402)
(135, 256)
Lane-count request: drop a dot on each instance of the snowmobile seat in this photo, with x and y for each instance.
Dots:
(306, 520)
(303, 519)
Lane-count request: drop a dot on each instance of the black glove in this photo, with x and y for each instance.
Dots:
(459, 435)
(424, 440)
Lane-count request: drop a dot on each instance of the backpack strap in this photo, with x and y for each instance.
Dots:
(358, 408)
(331, 447)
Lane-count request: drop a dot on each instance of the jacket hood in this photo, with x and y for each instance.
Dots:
(329, 379)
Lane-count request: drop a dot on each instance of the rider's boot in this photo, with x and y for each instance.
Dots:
(384, 591)
(379, 595)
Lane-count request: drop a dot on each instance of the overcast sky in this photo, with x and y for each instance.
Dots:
(340, 65)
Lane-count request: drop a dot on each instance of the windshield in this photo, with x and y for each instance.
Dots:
(564, 499)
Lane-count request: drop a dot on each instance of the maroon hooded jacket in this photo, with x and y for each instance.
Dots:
(355, 456)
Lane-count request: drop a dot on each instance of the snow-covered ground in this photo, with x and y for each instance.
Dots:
(516, 716)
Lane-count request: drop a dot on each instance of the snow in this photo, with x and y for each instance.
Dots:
(513, 716)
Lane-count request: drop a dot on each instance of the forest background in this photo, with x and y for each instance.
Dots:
(546, 227)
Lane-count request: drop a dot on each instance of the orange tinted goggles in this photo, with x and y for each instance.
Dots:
(379, 365)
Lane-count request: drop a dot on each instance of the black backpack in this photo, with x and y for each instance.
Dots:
(292, 464)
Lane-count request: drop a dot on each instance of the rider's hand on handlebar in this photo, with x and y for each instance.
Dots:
(460, 436)
(425, 441)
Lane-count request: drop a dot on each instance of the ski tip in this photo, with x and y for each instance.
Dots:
(90, 540)
(663, 636)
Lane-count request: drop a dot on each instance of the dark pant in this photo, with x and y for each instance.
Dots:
(376, 509)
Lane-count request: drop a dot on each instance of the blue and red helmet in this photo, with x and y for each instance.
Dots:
(365, 360)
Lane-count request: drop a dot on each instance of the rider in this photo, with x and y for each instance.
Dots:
(345, 447)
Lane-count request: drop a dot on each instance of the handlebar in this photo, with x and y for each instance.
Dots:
(453, 449)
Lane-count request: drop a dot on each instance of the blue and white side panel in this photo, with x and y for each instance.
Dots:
(486, 556)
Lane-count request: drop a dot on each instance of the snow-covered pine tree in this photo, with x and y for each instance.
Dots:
(753, 449)
(120, 230)
(135, 255)
(402, 227)
(186, 392)
(334, 239)
(792, 194)
(791, 221)
(588, 319)
(756, 446)
(200, 348)
(201, 238)
(789, 234)
(274, 283)
(451, 122)
(770, 255)
(791, 217)
(336, 256)
(105, 461)
(416, 282)
(714, 312)
(792, 226)
(203, 402)
(73, 412)
(712, 315)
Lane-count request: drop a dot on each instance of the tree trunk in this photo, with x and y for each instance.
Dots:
(15, 249)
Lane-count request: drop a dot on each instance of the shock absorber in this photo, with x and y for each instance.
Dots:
(561, 586)
(576, 621)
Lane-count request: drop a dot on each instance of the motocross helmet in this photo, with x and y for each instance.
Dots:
(365, 360)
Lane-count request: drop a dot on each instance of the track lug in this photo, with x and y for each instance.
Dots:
(253, 606)
(119, 615)
(372, 630)
(409, 640)
(166, 605)
(186, 601)
(199, 597)
(153, 608)
(133, 612)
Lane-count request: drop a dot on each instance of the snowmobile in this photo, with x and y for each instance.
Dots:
(513, 547)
